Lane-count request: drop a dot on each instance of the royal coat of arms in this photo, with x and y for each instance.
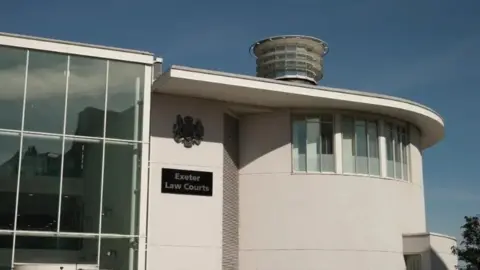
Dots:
(187, 131)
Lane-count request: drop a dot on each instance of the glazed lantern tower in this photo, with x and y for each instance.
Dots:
(290, 58)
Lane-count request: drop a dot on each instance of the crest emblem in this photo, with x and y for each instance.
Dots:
(187, 131)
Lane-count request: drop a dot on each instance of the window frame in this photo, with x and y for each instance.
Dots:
(367, 119)
(304, 117)
(404, 149)
(382, 122)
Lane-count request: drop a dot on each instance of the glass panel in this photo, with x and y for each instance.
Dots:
(299, 145)
(36, 249)
(6, 243)
(125, 91)
(361, 160)
(86, 96)
(121, 180)
(327, 158)
(389, 141)
(39, 184)
(373, 153)
(9, 152)
(82, 176)
(12, 83)
(45, 103)
(313, 145)
(398, 154)
(118, 254)
(348, 145)
(405, 155)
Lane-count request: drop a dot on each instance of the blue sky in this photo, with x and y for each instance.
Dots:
(427, 51)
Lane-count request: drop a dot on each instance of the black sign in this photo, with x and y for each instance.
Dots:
(187, 182)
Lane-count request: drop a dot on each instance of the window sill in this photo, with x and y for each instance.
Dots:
(313, 173)
(349, 174)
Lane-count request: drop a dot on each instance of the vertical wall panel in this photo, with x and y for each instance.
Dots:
(230, 193)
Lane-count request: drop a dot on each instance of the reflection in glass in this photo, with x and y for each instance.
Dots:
(12, 83)
(121, 180)
(405, 155)
(348, 145)
(373, 152)
(390, 142)
(361, 159)
(125, 92)
(398, 153)
(118, 254)
(57, 250)
(82, 175)
(9, 156)
(6, 244)
(45, 101)
(86, 96)
(299, 146)
(312, 149)
(313, 144)
(39, 184)
(326, 133)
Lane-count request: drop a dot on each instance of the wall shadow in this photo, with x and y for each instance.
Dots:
(263, 133)
(436, 261)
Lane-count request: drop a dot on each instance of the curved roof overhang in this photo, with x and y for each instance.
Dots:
(263, 92)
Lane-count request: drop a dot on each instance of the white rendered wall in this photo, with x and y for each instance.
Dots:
(185, 232)
(318, 221)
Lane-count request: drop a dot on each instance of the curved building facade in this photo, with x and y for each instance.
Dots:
(108, 163)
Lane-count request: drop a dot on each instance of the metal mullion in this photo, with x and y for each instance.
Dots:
(42, 135)
(306, 144)
(6, 130)
(354, 145)
(102, 174)
(55, 234)
(368, 146)
(134, 189)
(7, 133)
(20, 154)
(378, 142)
(399, 135)
(120, 141)
(144, 173)
(407, 154)
(62, 162)
(394, 141)
(320, 138)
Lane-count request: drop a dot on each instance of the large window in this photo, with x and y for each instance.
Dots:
(313, 144)
(397, 151)
(70, 149)
(360, 146)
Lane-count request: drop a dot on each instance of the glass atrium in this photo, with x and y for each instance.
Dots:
(70, 159)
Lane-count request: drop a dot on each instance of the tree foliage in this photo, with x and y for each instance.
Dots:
(469, 249)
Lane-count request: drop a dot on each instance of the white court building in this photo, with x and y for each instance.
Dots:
(106, 162)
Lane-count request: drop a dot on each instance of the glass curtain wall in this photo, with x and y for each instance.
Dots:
(70, 148)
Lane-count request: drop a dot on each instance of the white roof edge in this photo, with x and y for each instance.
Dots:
(316, 87)
(429, 234)
(77, 48)
(287, 94)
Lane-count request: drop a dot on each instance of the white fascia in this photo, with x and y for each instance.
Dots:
(72, 48)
